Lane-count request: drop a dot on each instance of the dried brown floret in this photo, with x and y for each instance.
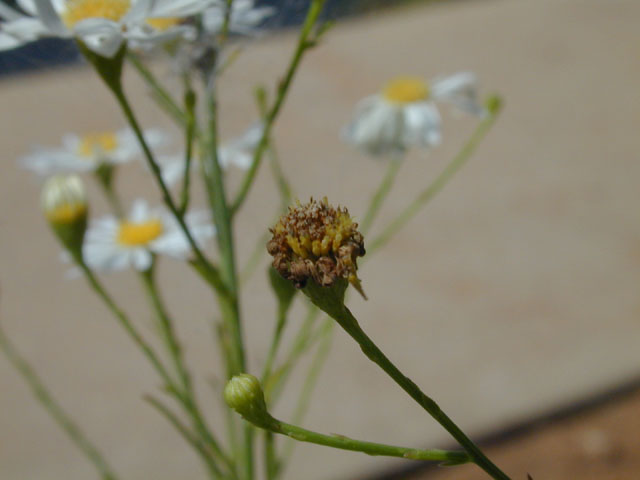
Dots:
(317, 241)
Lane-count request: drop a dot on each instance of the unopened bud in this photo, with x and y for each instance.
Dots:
(64, 203)
(244, 394)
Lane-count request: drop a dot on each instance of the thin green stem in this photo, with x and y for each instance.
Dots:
(423, 198)
(211, 271)
(160, 94)
(229, 304)
(175, 351)
(275, 342)
(311, 380)
(190, 128)
(193, 440)
(370, 448)
(223, 221)
(304, 43)
(128, 326)
(254, 259)
(334, 306)
(274, 385)
(54, 409)
(284, 186)
(272, 466)
(381, 194)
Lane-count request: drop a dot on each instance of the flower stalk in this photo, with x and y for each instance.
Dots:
(331, 301)
(42, 394)
(244, 394)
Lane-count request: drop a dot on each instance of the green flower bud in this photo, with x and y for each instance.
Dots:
(244, 394)
(494, 104)
(64, 203)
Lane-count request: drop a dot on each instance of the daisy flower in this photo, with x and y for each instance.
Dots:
(115, 244)
(404, 114)
(102, 25)
(86, 153)
(243, 19)
(237, 152)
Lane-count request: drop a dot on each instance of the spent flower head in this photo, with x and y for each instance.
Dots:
(319, 242)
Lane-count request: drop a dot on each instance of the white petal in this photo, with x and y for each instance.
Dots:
(9, 14)
(50, 18)
(100, 35)
(141, 259)
(459, 89)
(139, 211)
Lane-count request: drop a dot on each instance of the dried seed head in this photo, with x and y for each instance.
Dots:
(317, 241)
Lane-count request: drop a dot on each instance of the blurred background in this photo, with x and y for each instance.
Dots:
(512, 298)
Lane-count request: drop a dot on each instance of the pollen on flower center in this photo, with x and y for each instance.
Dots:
(164, 23)
(142, 233)
(317, 241)
(97, 143)
(77, 10)
(406, 90)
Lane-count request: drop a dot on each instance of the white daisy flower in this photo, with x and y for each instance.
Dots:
(405, 115)
(87, 152)
(102, 25)
(237, 152)
(115, 244)
(243, 20)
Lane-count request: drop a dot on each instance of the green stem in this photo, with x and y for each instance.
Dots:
(284, 187)
(272, 466)
(162, 96)
(133, 333)
(223, 221)
(229, 304)
(458, 161)
(334, 306)
(175, 351)
(381, 194)
(190, 103)
(54, 409)
(194, 441)
(254, 259)
(275, 342)
(319, 359)
(118, 92)
(283, 87)
(274, 385)
(370, 448)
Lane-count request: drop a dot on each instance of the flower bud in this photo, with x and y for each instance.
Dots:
(319, 242)
(244, 394)
(64, 203)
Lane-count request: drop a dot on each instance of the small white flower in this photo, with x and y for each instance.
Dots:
(237, 152)
(115, 244)
(86, 153)
(243, 20)
(405, 115)
(102, 25)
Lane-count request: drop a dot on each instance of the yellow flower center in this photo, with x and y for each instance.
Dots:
(162, 24)
(97, 143)
(77, 10)
(67, 213)
(406, 90)
(135, 234)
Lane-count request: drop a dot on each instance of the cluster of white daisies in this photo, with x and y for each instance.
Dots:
(105, 25)
(403, 115)
(116, 243)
